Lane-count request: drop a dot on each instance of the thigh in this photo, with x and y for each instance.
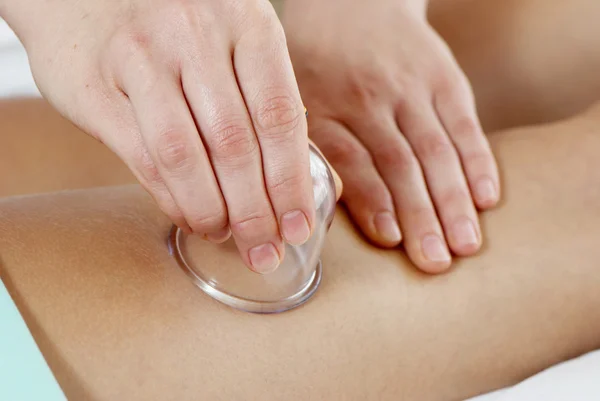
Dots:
(529, 61)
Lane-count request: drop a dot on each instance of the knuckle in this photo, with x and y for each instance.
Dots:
(286, 184)
(146, 168)
(174, 151)
(183, 10)
(259, 16)
(454, 196)
(265, 17)
(364, 86)
(431, 146)
(208, 222)
(186, 21)
(131, 43)
(278, 116)
(130, 60)
(347, 152)
(400, 158)
(232, 141)
(465, 128)
(449, 81)
(453, 90)
(252, 223)
(402, 103)
(444, 84)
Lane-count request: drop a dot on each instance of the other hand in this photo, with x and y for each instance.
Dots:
(394, 114)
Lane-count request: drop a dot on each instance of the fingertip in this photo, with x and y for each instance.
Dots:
(435, 268)
(466, 248)
(486, 193)
(264, 259)
(220, 236)
(381, 228)
(431, 255)
(464, 237)
(295, 227)
(386, 229)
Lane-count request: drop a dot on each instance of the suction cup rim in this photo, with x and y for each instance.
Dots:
(243, 304)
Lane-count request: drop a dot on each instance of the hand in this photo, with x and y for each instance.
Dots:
(395, 115)
(197, 97)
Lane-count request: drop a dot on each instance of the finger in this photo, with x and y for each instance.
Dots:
(122, 135)
(444, 176)
(365, 194)
(273, 100)
(138, 159)
(456, 109)
(174, 145)
(213, 94)
(423, 237)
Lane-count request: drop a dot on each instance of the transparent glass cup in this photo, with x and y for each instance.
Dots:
(225, 278)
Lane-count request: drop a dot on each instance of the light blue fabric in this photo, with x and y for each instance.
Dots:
(24, 374)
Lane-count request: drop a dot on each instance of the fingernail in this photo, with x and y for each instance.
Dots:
(264, 258)
(435, 249)
(486, 190)
(219, 236)
(294, 227)
(387, 226)
(464, 233)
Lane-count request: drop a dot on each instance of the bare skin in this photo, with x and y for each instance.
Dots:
(109, 307)
(522, 66)
(110, 310)
(391, 109)
(515, 83)
(214, 133)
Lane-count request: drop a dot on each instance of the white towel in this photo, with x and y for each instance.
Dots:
(578, 379)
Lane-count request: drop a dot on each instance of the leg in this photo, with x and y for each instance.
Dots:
(109, 307)
(529, 61)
